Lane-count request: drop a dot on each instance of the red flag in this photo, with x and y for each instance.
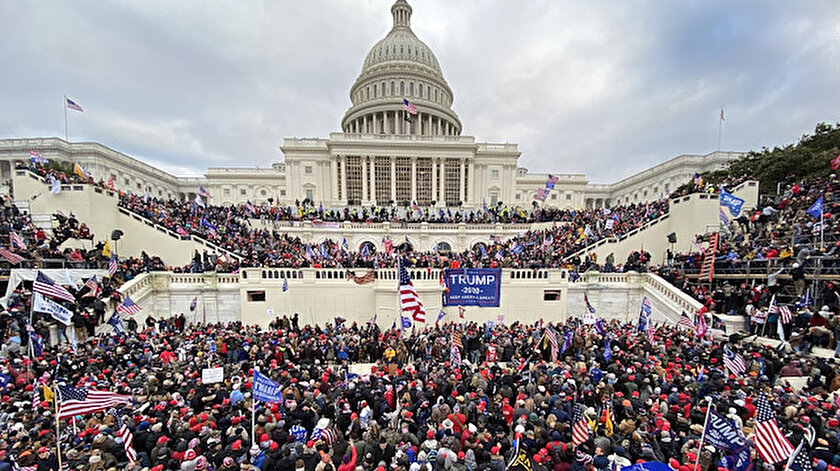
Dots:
(835, 162)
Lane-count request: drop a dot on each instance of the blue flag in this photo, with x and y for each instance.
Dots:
(731, 201)
(644, 315)
(285, 285)
(607, 349)
(344, 243)
(266, 390)
(517, 249)
(601, 327)
(405, 322)
(816, 209)
(722, 434)
(567, 341)
(483, 250)
(116, 322)
(441, 315)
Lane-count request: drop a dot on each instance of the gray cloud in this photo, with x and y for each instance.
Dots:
(602, 88)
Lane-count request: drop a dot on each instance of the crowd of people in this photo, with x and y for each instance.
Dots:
(417, 404)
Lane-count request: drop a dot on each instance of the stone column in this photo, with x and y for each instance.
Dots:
(372, 178)
(344, 178)
(434, 180)
(429, 126)
(461, 193)
(442, 189)
(470, 191)
(364, 124)
(414, 179)
(393, 179)
(364, 178)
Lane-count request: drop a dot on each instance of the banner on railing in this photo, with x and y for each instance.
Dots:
(473, 287)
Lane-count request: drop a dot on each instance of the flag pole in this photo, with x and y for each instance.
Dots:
(56, 401)
(64, 105)
(253, 412)
(822, 212)
(720, 128)
(703, 435)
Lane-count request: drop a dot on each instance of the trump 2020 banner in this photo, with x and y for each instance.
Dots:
(473, 287)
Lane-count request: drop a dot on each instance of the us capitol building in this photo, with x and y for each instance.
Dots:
(380, 157)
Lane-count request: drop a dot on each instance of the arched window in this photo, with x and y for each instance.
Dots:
(443, 247)
(420, 90)
(370, 247)
(392, 89)
(411, 89)
(383, 88)
(402, 88)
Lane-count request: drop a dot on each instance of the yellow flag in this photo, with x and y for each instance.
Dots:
(106, 250)
(77, 169)
(48, 394)
(608, 424)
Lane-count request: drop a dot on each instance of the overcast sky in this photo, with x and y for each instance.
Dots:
(603, 88)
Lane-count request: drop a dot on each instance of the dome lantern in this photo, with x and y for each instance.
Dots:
(401, 12)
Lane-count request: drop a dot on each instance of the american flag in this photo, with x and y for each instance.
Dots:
(73, 105)
(772, 446)
(409, 300)
(204, 193)
(409, 106)
(774, 306)
(443, 281)
(112, 266)
(801, 459)
(685, 321)
(128, 307)
(580, 427)
(567, 341)
(37, 158)
(92, 287)
(44, 285)
(456, 339)
(551, 335)
(785, 314)
(461, 311)
(734, 362)
(126, 436)
(79, 401)
(455, 355)
(17, 240)
(10, 256)
(111, 182)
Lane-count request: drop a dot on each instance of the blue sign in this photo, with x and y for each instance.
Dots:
(473, 287)
(266, 390)
(731, 201)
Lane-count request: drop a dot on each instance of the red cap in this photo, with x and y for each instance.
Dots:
(43, 449)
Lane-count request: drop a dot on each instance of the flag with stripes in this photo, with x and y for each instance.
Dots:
(116, 322)
(580, 427)
(785, 314)
(685, 321)
(80, 401)
(774, 307)
(112, 266)
(455, 355)
(73, 105)
(461, 311)
(17, 240)
(10, 256)
(124, 434)
(46, 286)
(409, 300)
(644, 315)
(551, 335)
(772, 446)
(567, 341)
(456, 339)
(37, 158)
(801, 459)
(92, 287)
(110, 182)
(651, 331)
(128, 306)
(734, 362)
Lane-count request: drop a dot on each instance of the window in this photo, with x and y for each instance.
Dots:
(263, 192)
(310, 194)
(403, 179)
(374, 91)
(519, 196)
(354, 178)
(383, 88)
(256, 296)
(243, 191)
(568, 196)
(139, 186)
(282, 192)
(392, 88)
(494, 174)
(494, 198)
(382, 169)
(226, 192)
(127, 181)
(402, 88)
(554, 196)
(551, 295)
(411, 89)
(307, 170)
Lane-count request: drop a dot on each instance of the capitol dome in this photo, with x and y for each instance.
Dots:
(401, 67)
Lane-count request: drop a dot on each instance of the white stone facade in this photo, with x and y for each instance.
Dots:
(380, 157)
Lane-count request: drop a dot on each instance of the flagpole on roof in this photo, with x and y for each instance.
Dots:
(720, 127)
(64, 105)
